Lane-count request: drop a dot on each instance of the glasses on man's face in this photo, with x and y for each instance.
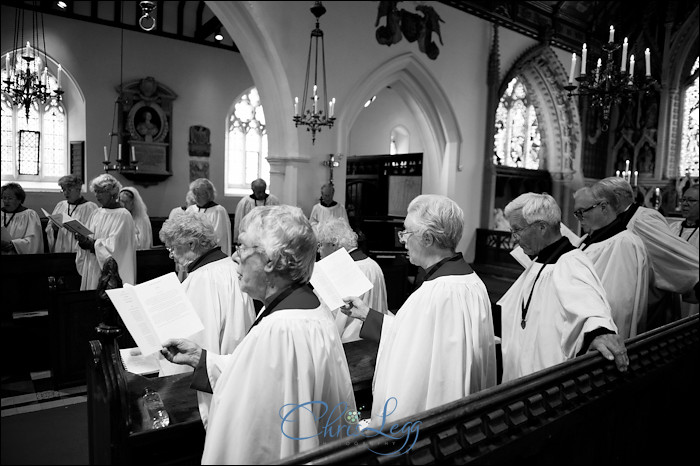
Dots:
(519, 231)
(404, 234)
(171, 252)
(688, 200)
(242, 248)
(579, 212)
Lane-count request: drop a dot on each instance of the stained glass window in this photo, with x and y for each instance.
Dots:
(517, 138)
(689, 138)
(34, 146)
(246, 144)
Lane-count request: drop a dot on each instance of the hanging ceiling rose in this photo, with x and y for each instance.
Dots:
(318, 115)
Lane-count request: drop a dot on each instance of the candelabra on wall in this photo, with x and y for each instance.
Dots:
(608, 84)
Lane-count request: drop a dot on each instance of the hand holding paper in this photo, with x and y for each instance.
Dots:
(337, 276)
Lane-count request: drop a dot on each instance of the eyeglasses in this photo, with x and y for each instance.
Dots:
(171, 252)
(688, 200)
(404, 234)
(579, 213)
(240, 248)
(519, 231)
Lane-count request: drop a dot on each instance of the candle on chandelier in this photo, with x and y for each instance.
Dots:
(60, 68)
(584, 53)
(315, 102)
(631, 66)
(133, 154)
(314, 90)
(45, 77)
(106, 156)
(27, 50)
(636, 176)
(296, 105)
(627, 166)
(624, 55)
(647, 58)
(332, 107)
(119, 154)
(658, 193)
(573, 68)
(617, 173)
(612, 34)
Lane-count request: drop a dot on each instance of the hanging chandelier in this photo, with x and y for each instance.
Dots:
(318, 116)
(609, 84)
(26, 67)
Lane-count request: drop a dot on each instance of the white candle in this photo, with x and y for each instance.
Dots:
(624, 55)
(636, 176)
(573, 67)
(584, 53)
(314, 90)
(27, 50)
(296, 105)
(617, 173)
(315, 100)
(647, 57)
(631, 66)
(333, 107)
(133, 154)
(60, 68)
(658, 192)
(612, 34)
(119, 154)
(627, 165)
(106, 156)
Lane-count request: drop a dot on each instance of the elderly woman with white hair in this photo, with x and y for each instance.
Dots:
(440, 345)
(204, 194)
(334, 234)
(114, 235)
(269, 394)
(212, 285)
(131, 200)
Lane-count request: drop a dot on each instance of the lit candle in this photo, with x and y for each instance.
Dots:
(597, 70)
(647, 57)
(133, 154)
(636, 176)
(296, 105)
(27, 50)
(629, 176)
(658, 192)
(333, 107)
(106, 156)
(573, 67)
(612, 34)
(584, 53)
(315, 99)
(617, 172)
(624, 55)
(627, 165)
(631, 66)
(314, 90)
(119, 154)
(60, 68)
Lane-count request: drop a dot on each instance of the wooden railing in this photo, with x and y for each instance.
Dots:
(580, 412)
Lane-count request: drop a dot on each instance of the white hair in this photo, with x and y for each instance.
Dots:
(440, 216)
(107, 183)
(614, 187)
(204, 185)
(337, 231)
(286, 236)
(190, 226)
(535, 207)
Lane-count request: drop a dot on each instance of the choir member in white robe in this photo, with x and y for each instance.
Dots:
(75, 206)
(204, 194)
(440, 345)
(619, 257)
(248, 203)
(674, 262)
(179, 210)
(291, 356)
(688, 231)
(131, 200)
(22, 224)
(557, 308)
(113, 236)
(327, 208)
(332, 235)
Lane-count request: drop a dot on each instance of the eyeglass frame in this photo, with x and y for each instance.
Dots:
(403, 234)
(240, 248)
(578, 213)
(688, 200)
(519, 231)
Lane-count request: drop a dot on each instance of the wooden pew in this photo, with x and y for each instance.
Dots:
(117, 431)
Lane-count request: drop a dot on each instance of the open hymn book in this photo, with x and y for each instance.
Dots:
(155, 311)
(69, 223)
(336, 277)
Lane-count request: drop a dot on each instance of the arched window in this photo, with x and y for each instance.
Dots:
(34, 148)
(517, 138)
(689, 137)
(246, 144)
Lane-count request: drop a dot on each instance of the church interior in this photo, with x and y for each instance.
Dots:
(487, 103)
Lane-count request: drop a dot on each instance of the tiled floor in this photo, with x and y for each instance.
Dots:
(34, 391)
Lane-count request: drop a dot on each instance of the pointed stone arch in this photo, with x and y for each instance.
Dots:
(429, 105)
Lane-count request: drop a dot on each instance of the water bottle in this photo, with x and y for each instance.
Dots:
(157, 414)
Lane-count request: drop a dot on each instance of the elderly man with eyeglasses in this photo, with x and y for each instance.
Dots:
(557, 308)
(688, 231)
(674, 261)
(619, 257)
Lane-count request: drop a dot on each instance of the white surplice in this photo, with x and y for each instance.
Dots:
(320, 214)
(218, 216)
(439, 347)
(375, 298)
(690, 235)
(245, 205)
(25, 228)
(568, 301)
(144, 232)
(64, 239)
(674, 261)
(291, 357)
(225, 311)
(623, 268)
(114, 234)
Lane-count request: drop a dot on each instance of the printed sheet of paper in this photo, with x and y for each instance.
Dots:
(337, 276)
(137, 363)
(155, 311)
